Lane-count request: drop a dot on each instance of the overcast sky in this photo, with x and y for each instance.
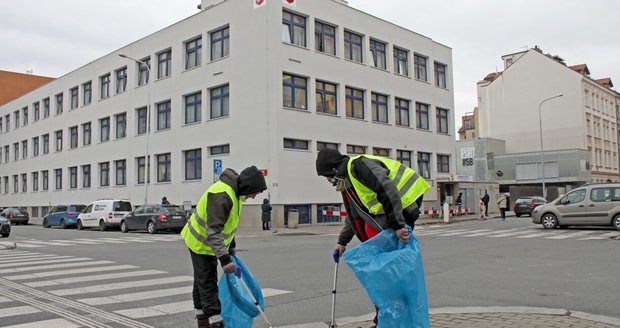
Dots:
(54, 37)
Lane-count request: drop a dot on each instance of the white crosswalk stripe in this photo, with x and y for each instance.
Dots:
(54, 323)
(133, 238)
(521, 233)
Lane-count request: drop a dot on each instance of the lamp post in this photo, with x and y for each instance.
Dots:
(542, 160)
(148, 123)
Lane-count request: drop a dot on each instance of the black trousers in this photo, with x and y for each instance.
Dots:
(265, 225)
(205, 292)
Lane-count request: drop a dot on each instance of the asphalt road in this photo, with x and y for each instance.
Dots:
(146, 280)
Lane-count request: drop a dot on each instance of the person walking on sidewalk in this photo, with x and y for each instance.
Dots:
(502, 204)
(210, 235)
(266, 213)
(486, 199)
(371, 196)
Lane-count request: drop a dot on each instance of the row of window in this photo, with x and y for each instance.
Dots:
(295, 95)
(294, 28)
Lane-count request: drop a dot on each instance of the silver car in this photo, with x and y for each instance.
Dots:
(595, 204)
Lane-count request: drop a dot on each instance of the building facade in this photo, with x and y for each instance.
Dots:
(234, 85)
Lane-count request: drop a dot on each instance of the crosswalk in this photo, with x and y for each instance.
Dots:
(518, 233)
(144, 238)
(76, 292)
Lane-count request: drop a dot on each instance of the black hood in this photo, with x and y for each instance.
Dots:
(328, 161)
(251, 181)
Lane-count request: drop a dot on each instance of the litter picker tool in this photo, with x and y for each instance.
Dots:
(336, 256)
(247, 289)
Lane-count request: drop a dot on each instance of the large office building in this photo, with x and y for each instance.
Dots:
(265, 83)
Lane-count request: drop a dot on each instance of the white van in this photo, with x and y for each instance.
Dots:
(104, 213)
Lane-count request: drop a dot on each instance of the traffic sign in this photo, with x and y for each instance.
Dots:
(217, 166)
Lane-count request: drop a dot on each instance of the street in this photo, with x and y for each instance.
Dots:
(71, 278)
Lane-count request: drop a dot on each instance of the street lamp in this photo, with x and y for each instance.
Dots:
(148, 122)
(542, 160)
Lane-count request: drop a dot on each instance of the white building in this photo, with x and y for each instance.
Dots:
(234, 83)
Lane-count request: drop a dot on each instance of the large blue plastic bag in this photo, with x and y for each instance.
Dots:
(393, 276)
(238, 310)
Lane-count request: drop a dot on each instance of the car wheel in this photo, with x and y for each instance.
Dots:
(63, 224)
(102, 226)
(549, 221)
(518, 215)
(150, 227)
(45, 224)
(79, 225)
(616, 222)
(124, 227)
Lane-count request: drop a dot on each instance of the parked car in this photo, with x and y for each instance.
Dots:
(5, 227)
(154, 218)
(104, 214)
(64, 216)
(595, 204)
(15, 215)
(525, 205)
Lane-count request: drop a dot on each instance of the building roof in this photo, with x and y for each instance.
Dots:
(13, 85)
(606, 82)
(581, 68)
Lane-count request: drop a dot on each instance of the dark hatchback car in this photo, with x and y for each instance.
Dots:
(15, 215)
(525, 205)
(154, 218)
(64, 216)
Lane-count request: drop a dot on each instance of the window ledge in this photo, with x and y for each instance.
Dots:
(326, 54)
(354, 62)
(382, 123)
(424, 130)
(192, 181)
(218, 118)
(192, 68)
(295, 45)
(403, 126)
(329, 114)
(218, 59)
(163, 78)
(356, 119)
(296, 109)
(404, 76)
(298, 150)
(192, 123)
(380, 69)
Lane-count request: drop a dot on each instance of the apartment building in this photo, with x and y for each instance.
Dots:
(239, 83)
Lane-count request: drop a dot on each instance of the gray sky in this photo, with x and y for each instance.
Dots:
(54, 37)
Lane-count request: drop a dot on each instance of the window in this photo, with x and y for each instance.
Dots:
(104, 82)
(24, 182)
(377, 50)
(385, 152)
(353, 46)
(87, 93)
(142, 120)
(6, 185)
(219, 150)
(402, 112)
(15, 183)
(121, 172)
(7, 119)
(401, 61)
(59, 104)
(58, 179)
(36, 113)
(420, 67)
(193, 164)
(24, 149)
(45, 180)
(379, 108)
(404, 157)
(46, 144)
(35, 146)
(193, 52)
(141, 165)
(325, 38)
(356, 150)
(440, 75)
(25, 116)
(442, 120)
(296, 144)
(164, 60)
(73, 137)
(121, 79)
(58, 139)
(86, 132)
(421, 113)
(220, 43)
(1, 125)
(294, 91)
(121, 125)
(104, 129)
(15, 151)
(326, 97)
(74, 93)
(293, 29)
(424, 165)
(73, 172)
(104, 174)
(443, 163)
(46, 107)
(86, 176)
(35, 181)
(355, 103)
(16, 114)
(321, 145)
(193, 108)
(143, 71)
(163, 115)
(163, 167)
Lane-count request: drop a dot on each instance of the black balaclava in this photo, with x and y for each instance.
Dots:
(251, 181)
(331, 161)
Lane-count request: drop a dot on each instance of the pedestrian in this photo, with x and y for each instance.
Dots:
(485, 199)
(459, 202)
(502, 204)
(368, 185)
(164, 201)
(482, 210)
(210, 236)
(266, 215)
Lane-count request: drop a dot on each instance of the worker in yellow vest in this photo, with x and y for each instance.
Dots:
(210, 235)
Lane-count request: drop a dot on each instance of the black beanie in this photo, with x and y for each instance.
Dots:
(251, 181)
(327, 160)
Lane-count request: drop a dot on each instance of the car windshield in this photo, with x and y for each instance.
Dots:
(77, 208)
(122, 206)
(173, 209)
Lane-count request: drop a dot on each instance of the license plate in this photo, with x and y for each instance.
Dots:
(177, 217)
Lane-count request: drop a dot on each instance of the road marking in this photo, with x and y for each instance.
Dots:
(567, 235)
(4, 299)
(603, 236)
(508, 234)
(70, 272)
(132, 297)
(34, 259)
(54, 323)
(18, 310)
(43, 262)
(454, 232)
(137, 240)
(538, 234)
(120, 285)
(45, 243)
(488, 233)
(268, 292)
(19, 254)
(77, 241)
(93, 278)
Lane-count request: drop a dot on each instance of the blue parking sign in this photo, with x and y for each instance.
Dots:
(217, 166)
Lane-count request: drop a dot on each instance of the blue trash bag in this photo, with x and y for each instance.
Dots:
(393, 276)
(238, 310)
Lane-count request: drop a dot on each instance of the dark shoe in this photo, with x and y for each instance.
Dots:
(202, 320)
(217, 325)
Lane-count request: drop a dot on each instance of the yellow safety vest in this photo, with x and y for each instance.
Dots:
(195, 231)
(410, 185)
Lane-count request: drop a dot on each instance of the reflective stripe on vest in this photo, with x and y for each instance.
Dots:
(410, 185)
(196, 231)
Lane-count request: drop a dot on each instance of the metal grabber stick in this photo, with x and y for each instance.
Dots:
(336, 256)
(253, 299)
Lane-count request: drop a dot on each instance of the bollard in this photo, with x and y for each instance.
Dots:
(446, 213)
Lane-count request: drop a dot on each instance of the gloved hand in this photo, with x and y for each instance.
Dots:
(230, 268)
(232, 251)
(340, 249)
(403, 235)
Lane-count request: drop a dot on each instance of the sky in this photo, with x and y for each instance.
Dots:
(52, 38)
